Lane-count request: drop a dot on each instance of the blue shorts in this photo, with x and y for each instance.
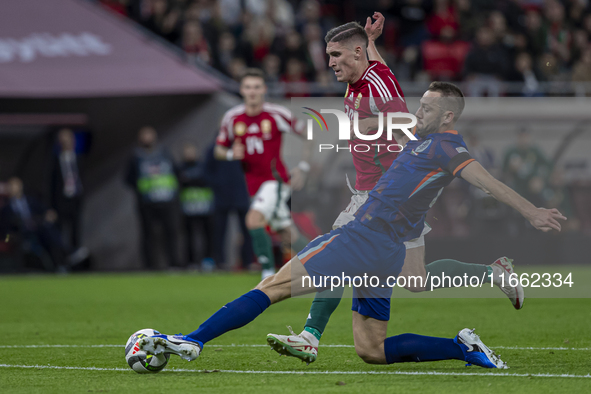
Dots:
(358, 254)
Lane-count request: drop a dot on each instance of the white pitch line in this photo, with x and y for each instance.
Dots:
(260, 345)
(413, 373)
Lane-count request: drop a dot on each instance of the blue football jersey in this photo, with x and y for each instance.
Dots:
(398, 203)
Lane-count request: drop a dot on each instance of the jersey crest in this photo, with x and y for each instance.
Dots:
(422, 147)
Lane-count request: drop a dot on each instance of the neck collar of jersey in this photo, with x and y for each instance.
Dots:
(361, 79)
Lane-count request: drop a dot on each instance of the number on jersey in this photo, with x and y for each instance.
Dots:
(254, 144)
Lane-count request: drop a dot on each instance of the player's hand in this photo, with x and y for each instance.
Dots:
(238, 149)
(298, 178)
(546, 219)
(374, 30)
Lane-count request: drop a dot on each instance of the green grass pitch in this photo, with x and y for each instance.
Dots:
(85, 312)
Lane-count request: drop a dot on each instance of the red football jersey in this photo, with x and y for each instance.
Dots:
(261, 136)
(376, 91)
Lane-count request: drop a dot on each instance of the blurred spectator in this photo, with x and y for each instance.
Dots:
(231, 197)
(277, 12)
(292, 48)
(197, 205)
(163, 21)
(152, 174)
(468, 19)
(225, 52)
(444, 58)
(558, 36)
(526, 168)
(194, 43)
(34, 226)
(315, 47)
(443, 17)
(486, 65)
(231, 12)
(294, 79)
(272, 68)
(582, 68)
(412, 15)
(524, 72)
(260, 34)
(535, 32)
(67, 192)
(549, 67)
(237, 67)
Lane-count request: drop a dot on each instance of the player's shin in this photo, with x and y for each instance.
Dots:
(444, 271)
(417, 348)
(322, 308)
(233, 315)
(263, 248)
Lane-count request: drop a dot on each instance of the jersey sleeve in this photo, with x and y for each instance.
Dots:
(226, 135)
(286, 123)
(454, 156)
(387, 94)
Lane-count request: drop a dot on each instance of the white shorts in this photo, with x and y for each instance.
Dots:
(271, 201)
(359, 198)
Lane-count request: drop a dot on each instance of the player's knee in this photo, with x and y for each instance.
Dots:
(370, 354)
(274, 290)
(254, 220)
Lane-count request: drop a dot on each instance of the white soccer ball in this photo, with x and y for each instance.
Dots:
(138, 360)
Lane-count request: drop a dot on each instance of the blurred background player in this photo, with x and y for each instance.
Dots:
(34, 226)
(252, 132)
(372, 88)
(152, 174)
(197, 204)
(67, 193)
(231, 198)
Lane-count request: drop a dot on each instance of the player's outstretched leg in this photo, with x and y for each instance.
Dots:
(500, 271)
(373, 347)
(231, 316)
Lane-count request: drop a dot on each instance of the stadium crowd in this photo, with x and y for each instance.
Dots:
(477, 41)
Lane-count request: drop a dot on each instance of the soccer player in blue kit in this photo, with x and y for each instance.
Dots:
(373, 245)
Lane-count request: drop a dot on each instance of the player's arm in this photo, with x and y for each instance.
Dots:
(235, 152)
(541, 218)
(374, 30)
(226, 146)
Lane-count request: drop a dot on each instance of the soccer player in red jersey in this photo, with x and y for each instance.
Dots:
(252, 132)
(373, 88)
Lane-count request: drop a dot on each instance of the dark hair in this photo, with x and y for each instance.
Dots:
(252, 72)
(454, 104)
(346, 32)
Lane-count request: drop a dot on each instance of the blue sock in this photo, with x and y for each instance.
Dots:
(411, 347)
(233, 315)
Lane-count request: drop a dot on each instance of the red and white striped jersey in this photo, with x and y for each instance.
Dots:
(376, 91)
(262, 135)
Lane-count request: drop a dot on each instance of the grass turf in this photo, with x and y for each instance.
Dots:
(106, 309)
